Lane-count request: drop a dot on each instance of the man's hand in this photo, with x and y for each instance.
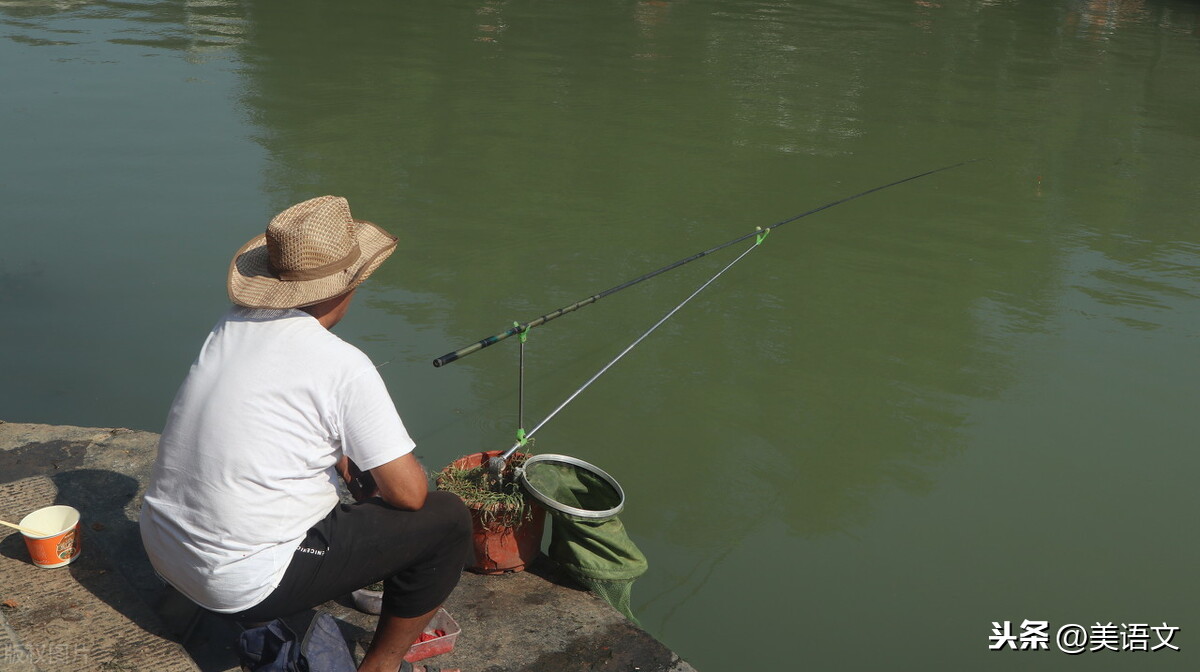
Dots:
(361, 485)
(401, 482)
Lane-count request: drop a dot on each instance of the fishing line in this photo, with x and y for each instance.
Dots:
(522, 328)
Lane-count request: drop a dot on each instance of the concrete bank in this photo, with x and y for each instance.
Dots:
(108, 611)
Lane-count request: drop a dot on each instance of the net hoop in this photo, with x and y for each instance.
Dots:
(555, 505)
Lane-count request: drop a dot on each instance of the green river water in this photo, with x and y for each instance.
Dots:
(901, 422)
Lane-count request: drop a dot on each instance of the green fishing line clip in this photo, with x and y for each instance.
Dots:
(523, 334)
(762, 235)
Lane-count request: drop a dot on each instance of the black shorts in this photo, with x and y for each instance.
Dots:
(419, 556)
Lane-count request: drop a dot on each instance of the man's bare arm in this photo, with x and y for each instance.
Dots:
(402, 482)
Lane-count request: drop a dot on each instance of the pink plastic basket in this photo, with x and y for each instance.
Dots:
(438, 645)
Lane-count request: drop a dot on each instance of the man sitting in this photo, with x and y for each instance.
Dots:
(242, 514)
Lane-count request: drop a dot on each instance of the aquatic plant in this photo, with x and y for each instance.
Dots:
(499, 504)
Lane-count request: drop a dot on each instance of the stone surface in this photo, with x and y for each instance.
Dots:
(109, 611)
(82, 616)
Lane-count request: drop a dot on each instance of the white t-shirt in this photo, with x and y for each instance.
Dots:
(246, 461)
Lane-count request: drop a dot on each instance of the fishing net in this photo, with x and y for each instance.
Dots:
(587, 539)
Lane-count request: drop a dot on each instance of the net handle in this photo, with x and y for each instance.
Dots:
(555, 505)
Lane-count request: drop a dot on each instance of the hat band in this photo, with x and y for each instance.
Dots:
(322, 271)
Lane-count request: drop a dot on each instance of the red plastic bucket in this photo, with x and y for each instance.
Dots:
(503, 549)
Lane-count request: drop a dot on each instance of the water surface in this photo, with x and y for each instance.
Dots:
(965, 399)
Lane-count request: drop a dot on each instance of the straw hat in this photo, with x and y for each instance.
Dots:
(311, 252)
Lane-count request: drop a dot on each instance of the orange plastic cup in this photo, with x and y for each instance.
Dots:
(59, 543)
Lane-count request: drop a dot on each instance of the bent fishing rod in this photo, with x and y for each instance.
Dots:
(519, 328)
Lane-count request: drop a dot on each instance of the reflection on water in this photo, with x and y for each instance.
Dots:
(198, 28)
(1099, 19)
(867, 379)
(492, 25)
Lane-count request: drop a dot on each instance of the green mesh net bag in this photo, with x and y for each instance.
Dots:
(587, 539)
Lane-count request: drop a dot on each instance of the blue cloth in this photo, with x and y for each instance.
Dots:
(274, 648)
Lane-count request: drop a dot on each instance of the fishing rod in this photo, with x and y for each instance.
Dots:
(519, 328)
(496, 464)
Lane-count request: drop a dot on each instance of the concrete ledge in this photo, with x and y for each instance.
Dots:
(88, 615)
(525, 622)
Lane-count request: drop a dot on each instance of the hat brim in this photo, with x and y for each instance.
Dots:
(253, 285)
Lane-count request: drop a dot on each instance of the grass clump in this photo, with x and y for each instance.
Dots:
(501, 504)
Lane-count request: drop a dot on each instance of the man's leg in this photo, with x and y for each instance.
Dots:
(393, 637)
(412, 595)
(418, 554)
